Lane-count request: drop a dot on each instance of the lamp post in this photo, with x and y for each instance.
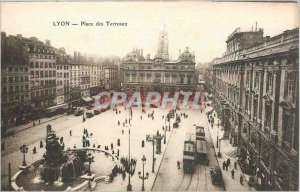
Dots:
(165, 135)
(129, 186)
(143, 177)
(24, 150)
(90, 159)
(219, 153)
(152, 154)
(218, 138)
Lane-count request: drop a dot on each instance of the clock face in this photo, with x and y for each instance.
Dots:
(158, 62)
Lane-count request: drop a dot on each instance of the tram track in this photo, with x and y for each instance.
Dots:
(185, 182)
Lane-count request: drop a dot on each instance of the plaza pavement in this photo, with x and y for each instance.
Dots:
(105, 131)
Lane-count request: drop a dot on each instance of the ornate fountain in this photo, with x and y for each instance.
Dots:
(60, 170)
(59, 166)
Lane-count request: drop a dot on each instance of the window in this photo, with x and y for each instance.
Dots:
(36, 64)
(4, 80)
(290, 92)
(256, 81)
(270, 82)
(10, 69)
(31, 64)
(287, 124)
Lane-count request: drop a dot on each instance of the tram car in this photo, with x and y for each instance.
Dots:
(189, 153)
(200, 133)
(201, 152)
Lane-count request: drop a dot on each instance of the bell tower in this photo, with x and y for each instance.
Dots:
(163, 45)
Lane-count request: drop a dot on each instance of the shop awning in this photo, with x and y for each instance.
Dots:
(62, 106)
(87, 99)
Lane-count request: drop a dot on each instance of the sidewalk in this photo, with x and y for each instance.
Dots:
(29, 125)
(227, 151)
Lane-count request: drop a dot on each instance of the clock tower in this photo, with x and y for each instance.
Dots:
(163, 45)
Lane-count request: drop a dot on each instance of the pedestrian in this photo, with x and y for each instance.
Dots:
(143, 143)
(34, 150)
(118, 122)
(39, 121)
(74, 146)
(118, 142)
(232, 173)
(98, 146)
(228, 161)
(141, 117)
(122, 132)
(241, 179)
(211, 171)
(224, 164)
(41, 144)
(235, 165)
(70, 132)
(118, 152)
(112, 146)
(178, 164)
(34, 123)
(94, 145)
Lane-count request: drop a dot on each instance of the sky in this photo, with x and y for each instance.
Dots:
(201, 26)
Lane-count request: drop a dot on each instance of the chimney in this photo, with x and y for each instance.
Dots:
(255, 26)
(79, 57)
(75, 56)
(47, 42)
(148, 57)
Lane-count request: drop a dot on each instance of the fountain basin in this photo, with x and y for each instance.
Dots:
(29, 179)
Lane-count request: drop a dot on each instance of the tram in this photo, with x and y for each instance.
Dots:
(201, 152)
(189, 153)
(200, 133)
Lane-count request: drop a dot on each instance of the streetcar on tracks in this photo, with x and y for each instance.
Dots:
(200, 133)
(189, 153)
(201, 152)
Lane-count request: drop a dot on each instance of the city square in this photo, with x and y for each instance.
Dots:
(198, 101)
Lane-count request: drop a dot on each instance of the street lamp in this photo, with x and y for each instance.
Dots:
(24, 150)
(90, 159)
(165, 129)
(129, 186)
(219, 153)
(218, 138)
(153, 154)
(143, 177)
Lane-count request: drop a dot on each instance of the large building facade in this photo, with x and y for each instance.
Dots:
(15, 84)
(256, 94)
(159, 74)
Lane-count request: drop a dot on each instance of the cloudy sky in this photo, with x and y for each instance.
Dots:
(202, 26)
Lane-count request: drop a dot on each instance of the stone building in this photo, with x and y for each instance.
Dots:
(158, 74)
(255, 88)
(111, 76)
(42, 69)
(15, 84)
